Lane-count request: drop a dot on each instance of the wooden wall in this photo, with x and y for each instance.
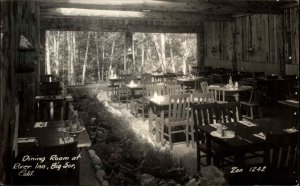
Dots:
(17, 18)
(291, 40)
(218, 37)
(259, 42)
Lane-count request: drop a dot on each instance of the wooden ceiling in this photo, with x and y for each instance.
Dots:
(186, 13)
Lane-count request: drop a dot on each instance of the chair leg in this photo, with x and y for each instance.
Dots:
(187, 135)
(198, 158)
(143, 113)
(260, 112)
(251, 112)
(150, 119)
(170, 137)
(192, 135)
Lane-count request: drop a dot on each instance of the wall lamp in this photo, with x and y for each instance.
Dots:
(251, 51)
(213, 51)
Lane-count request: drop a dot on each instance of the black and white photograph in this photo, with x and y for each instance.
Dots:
(149, 92)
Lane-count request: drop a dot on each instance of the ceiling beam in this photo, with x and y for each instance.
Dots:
(68, 24)
(116, 14)
(156, 5)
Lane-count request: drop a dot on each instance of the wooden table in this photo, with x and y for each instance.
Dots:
(113, 80)
(133, 88)
(158, 105)
(158, 77)
(51, 100)
(294, 104)
(231, 91)
(244, 141)
(51, 139)
(52, 133)
(189, 82)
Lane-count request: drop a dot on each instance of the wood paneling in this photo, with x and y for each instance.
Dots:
(17, 17)
(259, 38)
(291, 31)
(262, 42)
(218, 38)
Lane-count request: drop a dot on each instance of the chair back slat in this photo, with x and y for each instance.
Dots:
(179, 108)
(285, 150)
(126, 78)
(203, 114)
(146, 79)
(204, 86)
(219, 94)
(197, 85)
(229, 112)
(256, 94)
(173, 89)
(151, 89)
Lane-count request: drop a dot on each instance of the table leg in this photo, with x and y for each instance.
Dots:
(157, 127)
(150, 119)
(162, 126)
(132, 110)
(239, 158)
(237, 97)
(62, 111)
(38, 111)
(208, 146)
(51, 110)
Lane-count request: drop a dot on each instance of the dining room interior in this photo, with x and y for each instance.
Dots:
(152, 92)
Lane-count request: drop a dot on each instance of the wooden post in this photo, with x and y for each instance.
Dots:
(42, 51)
(201, 47)
(234, 57)
(127, 47)
(283, 56)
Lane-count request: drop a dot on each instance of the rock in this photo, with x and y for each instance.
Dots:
(99, 178)
(93, 120)
(172, 182)
(105, 183)
(147, 180)
(95, 159)
(101, 174)
(97, 167)
(192, 182)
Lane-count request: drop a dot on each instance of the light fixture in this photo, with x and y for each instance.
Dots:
(213, 51)
(251, 51)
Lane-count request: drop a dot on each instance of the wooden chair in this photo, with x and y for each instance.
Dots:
(110, 89)
(254, 102)
(219, 94)
(173, 89)
(50, 88)
(283, 158)
(198, 97)
(126, 78)
(204, 87)
(229, 112)
(197, 86)
(142, 104)
(178, 120)
(204, 114)
(123, 94)
(146, 79)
